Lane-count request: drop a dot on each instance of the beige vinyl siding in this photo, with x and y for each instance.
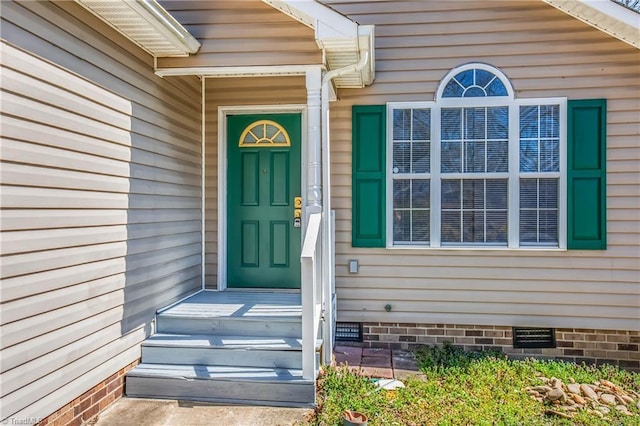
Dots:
(242, 33)
(101, 202)
(544, 53)
(229, 92)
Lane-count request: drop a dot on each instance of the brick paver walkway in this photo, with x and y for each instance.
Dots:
(374, 362)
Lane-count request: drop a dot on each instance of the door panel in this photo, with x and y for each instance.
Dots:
(263, 246)
(250, 175)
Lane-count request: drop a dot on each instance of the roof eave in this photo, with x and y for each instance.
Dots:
(147, 24)
(342, 40)
(605, 15)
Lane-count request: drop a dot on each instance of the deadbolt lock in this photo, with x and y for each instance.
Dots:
(297, 202)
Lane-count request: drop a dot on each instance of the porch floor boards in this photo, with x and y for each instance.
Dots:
(238, 304)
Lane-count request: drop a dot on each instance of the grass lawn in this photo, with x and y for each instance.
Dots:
(462, 388)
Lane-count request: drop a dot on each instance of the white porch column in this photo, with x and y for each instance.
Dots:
(314, 154)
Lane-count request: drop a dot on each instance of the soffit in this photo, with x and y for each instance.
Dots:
(147, 24)
(608, 16)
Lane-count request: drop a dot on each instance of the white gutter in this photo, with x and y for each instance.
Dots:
(147, 24)
(327, 273)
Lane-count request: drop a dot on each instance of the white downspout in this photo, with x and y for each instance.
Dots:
(328, 280)
(203, 212)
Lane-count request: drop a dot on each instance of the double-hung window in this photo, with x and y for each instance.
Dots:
(476, 167)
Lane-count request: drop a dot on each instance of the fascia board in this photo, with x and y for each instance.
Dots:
(605, 12)
(158, 20)
(245, 71)
(326, 22)
(166, 24)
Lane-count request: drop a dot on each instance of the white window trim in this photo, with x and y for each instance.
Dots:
(514, 175)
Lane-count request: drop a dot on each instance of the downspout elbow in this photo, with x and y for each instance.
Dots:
(358, 66)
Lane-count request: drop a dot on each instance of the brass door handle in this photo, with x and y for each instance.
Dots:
(297, 212)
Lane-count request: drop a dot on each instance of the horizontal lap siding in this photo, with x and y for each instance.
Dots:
(101, 219)
(242, 33)
(226, 92)
(545, 53)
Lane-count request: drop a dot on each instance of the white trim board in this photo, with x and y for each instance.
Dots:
(246, 71)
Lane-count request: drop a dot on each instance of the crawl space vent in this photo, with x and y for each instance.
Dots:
(527, 337)
(348, 332)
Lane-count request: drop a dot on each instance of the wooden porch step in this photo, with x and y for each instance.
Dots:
(228, 347)
(234, 314)
(252, 385)
(273, 326)
(252, 351)
(194, 324)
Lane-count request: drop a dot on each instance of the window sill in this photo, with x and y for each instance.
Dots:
(474, 248)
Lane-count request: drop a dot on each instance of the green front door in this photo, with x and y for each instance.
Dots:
(263, 179)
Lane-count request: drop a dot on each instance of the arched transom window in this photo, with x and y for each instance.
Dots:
(264, 133)
(476, 167)
(474, 81)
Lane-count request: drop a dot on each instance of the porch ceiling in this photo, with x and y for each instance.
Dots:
(147, 24)
(610, 17)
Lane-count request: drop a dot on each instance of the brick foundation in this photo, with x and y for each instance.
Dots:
(86, 407)
(577, 345)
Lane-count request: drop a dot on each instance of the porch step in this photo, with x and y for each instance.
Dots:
(262, 386)
(268, 327)
(242, 347)
(252, 351)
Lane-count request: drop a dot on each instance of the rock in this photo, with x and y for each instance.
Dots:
(555, 383)
(577, 398)
(555, 394)
(607, 398)
(610, 385)
(621, 400)
(565, 399)
(574, 388)
(588, 392)
(626, 398)
(623, 409)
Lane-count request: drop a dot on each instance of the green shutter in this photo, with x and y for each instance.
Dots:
(586, 174)
(368, 162)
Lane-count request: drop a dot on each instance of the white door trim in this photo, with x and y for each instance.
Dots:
(223, 112)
